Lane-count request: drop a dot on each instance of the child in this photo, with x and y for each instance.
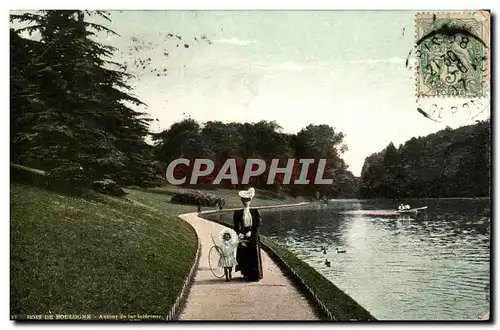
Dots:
(227, 260)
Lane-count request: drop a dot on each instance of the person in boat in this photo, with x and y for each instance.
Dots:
(401, 207)
(246, 225)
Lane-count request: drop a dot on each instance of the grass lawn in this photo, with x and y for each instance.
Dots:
(96, 255)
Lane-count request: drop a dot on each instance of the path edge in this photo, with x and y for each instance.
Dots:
(176, 309)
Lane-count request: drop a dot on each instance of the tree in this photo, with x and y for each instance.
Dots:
(79, 127)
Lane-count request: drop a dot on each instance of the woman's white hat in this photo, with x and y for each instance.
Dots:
(250, 193)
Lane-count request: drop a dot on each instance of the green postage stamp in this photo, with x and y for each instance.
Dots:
(453, 54)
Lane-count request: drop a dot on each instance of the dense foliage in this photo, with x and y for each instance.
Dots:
(71, 109)
(264, 140)
(449, 163)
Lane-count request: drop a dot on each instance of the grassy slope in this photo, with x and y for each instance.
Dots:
(96, 255)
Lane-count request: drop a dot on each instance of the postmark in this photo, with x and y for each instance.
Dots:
(452, 52)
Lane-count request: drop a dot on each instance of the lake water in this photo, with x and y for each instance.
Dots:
(434, 266)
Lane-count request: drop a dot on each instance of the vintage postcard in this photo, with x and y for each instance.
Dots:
(276, 165)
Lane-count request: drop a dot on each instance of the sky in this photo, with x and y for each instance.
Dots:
(345, 69)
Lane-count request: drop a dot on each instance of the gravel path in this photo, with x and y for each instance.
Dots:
(272, 298)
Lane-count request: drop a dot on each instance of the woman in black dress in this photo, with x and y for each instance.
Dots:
(246, 224)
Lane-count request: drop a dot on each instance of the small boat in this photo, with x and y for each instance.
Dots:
(415, 210)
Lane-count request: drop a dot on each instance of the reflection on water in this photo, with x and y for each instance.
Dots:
(432, 266)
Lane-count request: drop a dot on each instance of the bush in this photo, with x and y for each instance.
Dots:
(196, 197)
(108, 186)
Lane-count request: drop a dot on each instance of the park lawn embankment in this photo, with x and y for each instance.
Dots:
(95, 255)
(339, 304)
